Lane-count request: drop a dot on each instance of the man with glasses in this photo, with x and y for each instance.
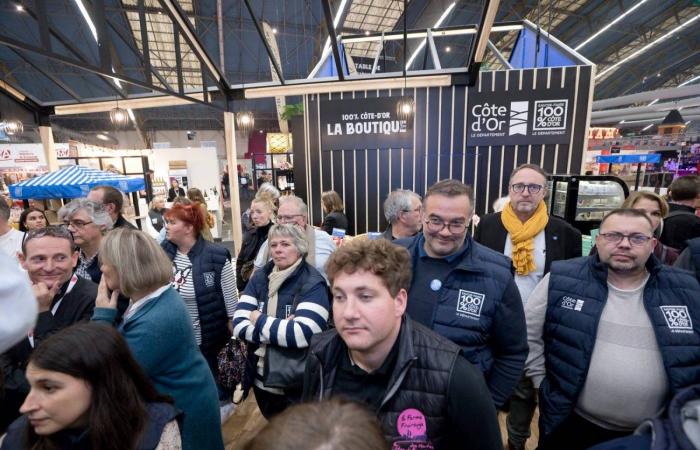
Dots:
(88, 221)
(533, 239)
(113, 201)
(612, 336)
(402, 209)
(48, 256)
(465, 291)
(293, 210)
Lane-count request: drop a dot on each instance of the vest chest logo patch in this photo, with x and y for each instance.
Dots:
(469, 304)
(677, 319)
(574, 304)
(209, 279)
(412, 428)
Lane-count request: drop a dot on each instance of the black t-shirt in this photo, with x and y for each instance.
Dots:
(471, 412)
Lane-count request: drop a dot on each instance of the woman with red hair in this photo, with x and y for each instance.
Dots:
(205, 277)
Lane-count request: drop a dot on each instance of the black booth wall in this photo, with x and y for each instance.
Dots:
(364, 176)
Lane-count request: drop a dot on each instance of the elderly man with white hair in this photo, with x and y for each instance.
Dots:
(402, 209)
(293, 210)
(88, 221)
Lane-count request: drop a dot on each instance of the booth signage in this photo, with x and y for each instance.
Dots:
(22, 155)
(629, 159)
(519, 117)
(363, 123)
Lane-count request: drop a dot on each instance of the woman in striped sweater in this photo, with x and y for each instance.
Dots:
(264, 315)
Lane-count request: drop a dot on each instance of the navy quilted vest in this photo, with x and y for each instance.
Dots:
(483, 275)
(208, 260)
(577, 295)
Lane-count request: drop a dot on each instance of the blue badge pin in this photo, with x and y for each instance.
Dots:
(435, 285)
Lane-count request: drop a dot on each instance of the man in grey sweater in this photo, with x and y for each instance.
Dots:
(606, 336)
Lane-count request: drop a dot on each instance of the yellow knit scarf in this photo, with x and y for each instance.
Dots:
(522, 236)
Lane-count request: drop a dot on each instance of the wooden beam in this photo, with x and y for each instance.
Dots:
(346, 86)
(134, 103)
(231, 158)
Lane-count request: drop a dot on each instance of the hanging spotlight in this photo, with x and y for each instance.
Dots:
(119, 116)
(245, 121)
(13, 127)
(405, 108)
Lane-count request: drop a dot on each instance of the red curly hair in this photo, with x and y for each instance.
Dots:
(191, 214)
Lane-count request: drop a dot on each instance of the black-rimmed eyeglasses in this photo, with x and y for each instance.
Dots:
(531, 188)
(634, 239)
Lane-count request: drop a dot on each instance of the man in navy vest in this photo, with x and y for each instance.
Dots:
(425, 395)
(465, 291)
(525, 232)
(612, 336)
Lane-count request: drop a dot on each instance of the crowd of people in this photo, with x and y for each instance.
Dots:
(410, 337)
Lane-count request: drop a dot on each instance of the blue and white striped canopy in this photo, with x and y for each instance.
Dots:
(72, 182)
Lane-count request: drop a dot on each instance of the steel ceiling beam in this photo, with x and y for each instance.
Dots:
(478, 45)
(334, 39)
(10, 42)
(270, 54)
(71, 48)
(54, 79)
(179, 18)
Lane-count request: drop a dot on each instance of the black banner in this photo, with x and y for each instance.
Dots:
(363, 123)
(520, 117)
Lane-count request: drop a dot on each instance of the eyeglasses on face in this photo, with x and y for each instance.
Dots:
(531, 188)
(287, 219)
(436, 225)
(77, 224)
(634, 239)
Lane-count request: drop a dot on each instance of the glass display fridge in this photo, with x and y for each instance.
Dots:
(583, 200)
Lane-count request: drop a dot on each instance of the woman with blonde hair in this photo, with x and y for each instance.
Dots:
(262, 212)
(283, 305)
(656, 208)
(158, 330)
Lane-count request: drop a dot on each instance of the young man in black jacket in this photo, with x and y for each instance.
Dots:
(63, 298)
(424, 393)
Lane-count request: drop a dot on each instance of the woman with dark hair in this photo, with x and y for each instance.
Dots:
(333, 209)
(158, 330)
(32, 218)
(88, 392)
(195, 196)
(205, 277)
(175, 190)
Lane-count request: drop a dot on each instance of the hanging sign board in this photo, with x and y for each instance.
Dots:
(363, 123)
(520, 117)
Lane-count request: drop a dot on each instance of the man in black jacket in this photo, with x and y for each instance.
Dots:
(524, 231)
(113, 201)
(682, 224)
(63, 298)
(424, 393)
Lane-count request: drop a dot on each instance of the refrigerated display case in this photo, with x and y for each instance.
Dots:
(583, 200)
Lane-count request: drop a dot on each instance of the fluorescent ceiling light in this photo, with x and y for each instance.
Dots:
(648, 46)
(653, 102)
(87, 18)
(437, 25)
(638, 121)
(102, 137)
(647, 127)
(422, 34)
(686, 124)
(606, 27)
(689, 81)
(327, 46)
(131, 115)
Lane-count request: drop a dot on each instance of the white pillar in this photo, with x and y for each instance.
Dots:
(49, 150)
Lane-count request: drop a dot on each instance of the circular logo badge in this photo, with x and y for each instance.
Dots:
(435, 285)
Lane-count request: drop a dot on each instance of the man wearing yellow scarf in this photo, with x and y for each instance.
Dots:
(532, 239)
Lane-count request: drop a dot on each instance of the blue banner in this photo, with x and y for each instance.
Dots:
(629, 159)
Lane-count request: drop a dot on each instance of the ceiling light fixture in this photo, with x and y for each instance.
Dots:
(245, 121)
(12, 127)
(327, 46)
(647, 127)
(606, 27)
(648, 46)
(101, 137)
(19, 8)
(689, 81)
(274, 30)
(118, 116)
(448, 49)
(437, 25)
